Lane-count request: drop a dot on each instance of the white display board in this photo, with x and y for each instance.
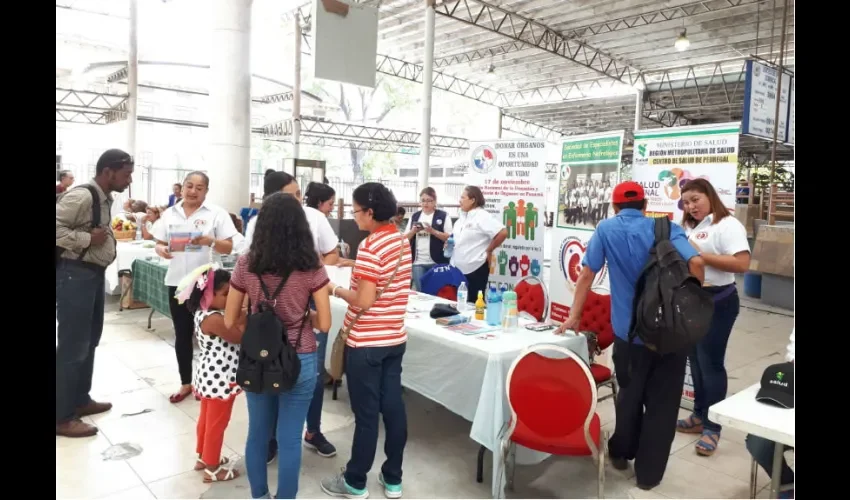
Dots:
(345, 45)
(587, 175)
(791, 119)
(760, 101)
(511, 174)
(666, 159)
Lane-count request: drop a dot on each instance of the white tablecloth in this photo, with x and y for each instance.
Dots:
(126, 253)
(463, 373)
(741, 411)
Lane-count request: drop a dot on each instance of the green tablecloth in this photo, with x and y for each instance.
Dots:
(149, 285)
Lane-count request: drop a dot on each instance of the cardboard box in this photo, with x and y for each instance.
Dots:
(745, 215)
(773, 252)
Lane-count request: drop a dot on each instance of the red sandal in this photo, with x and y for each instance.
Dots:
(179, 396)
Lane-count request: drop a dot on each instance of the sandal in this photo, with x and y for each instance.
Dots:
(690, 425)
(179, 396)
(200, 465)
(215, 476)
(707, 444)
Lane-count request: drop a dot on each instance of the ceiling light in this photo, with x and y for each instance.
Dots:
(682, 43)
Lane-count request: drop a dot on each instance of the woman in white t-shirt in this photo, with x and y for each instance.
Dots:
(193, 214)
(428, 229)
(476, 234)
(721, 241)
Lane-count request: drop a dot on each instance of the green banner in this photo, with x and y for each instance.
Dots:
(600, 149)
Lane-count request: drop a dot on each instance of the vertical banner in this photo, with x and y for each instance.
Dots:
(666, 159)
(586, 178)
(512, 175)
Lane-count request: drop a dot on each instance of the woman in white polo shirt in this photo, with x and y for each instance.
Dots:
(721, 241)
(192, 214)
(477, 234)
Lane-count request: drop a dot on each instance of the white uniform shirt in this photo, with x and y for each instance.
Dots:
(423, 239)
(727, 237)
(209, 219)
(324, 238)
(473, 232)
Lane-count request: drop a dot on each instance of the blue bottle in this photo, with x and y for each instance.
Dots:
(450, 247)
(494, 307)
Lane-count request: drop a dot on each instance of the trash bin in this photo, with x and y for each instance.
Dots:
(752, 285)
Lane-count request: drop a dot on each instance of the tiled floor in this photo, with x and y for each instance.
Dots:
(136, 370)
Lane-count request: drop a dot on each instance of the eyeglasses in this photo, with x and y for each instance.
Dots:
(354, 212)
(426, 200)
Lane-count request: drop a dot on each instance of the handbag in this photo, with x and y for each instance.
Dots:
(338, 348)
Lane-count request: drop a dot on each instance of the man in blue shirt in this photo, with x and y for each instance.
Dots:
(647, 404)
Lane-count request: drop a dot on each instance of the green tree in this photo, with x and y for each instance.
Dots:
(369, 107)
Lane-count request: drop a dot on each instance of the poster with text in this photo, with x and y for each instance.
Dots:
(666, 159)
(512, 175)
(586, 178)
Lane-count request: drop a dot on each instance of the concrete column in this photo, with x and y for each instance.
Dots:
(296, 92)
(229, 153)
(638, 109)
(133, 88)
(427, 81)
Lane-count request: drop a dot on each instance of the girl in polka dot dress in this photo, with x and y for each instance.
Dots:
(205, 294)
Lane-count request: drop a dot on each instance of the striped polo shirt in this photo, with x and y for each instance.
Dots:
(383, 324)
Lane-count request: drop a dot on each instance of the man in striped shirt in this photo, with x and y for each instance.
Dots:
(380, 284)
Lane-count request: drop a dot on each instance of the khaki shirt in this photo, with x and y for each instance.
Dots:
(74, 222)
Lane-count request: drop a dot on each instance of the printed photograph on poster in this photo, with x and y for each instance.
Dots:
(584, 194)
(512, 177)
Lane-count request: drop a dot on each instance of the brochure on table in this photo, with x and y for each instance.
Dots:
(511, 174)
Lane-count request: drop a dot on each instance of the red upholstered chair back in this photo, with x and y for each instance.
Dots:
(532, 297)
(551, 397)
(596, 317)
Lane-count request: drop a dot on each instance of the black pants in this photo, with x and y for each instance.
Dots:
(477, 281)
(184, 328)
(373, 375)
(79, 311)
(646, 409)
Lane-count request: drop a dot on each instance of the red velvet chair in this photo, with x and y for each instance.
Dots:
(553, 409)
(596, 317)
(532, 297)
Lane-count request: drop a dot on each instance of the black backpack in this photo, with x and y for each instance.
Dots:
(95, 219)
(671, 310)
(268, 363)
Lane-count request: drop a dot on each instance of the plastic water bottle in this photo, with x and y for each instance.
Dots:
(509, 304)
(494, 307)
(450, 247)
(139, 232)
(462, 297)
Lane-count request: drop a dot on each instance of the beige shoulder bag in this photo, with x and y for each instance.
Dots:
(338, 349)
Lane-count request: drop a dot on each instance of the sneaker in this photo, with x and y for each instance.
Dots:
(272, 451)
(320, 444)
(337, 487)
(390, 490)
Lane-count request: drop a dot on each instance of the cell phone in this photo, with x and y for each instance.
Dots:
(419, 226)
(540, 327)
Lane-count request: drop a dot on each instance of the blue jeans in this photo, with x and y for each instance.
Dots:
(419, 271)
(284, 412)
(314, 414)
(373, 376)
(79, 310)
(762, 451)
(708, 357)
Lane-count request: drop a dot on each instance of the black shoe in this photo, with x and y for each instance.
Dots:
(272, 451)
(619, 463)
(320, 444)
(647, 487)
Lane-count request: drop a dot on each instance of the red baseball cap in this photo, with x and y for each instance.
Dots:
(627, 191)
